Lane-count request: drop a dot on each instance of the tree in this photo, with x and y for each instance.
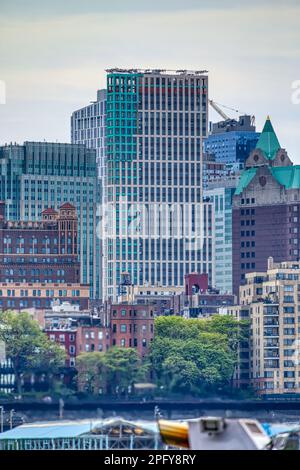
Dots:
(116, 369)
(124, 367)
(91, 372)
(181, 374)
(197, 355)
(28, 348)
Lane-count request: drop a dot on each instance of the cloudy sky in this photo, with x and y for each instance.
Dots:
(53, 56)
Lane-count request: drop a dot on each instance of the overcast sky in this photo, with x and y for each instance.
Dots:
(53, 56)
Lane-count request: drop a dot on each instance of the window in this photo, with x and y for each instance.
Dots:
(72, 361)
(123, 328)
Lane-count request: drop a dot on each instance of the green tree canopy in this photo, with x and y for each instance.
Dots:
(113, 370)
(27, 346)
(195, 355)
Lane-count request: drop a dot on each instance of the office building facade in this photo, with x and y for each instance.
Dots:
(212, 170)
(39, 175)
(88, 127)
(266, 209)
(231, 141)
(156, 121)
(220, 193)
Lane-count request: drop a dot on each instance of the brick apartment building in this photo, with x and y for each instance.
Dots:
(39, 260)
(132, 326)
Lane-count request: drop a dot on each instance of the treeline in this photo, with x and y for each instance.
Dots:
(188, 357)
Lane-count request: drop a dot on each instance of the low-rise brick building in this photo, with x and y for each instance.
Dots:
(132, 326)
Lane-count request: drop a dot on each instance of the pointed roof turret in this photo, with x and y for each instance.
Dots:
(268, 141)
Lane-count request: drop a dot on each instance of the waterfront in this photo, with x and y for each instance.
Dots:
(31, 415)
(86, 430)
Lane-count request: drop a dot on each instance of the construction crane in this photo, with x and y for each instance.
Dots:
(216, 107)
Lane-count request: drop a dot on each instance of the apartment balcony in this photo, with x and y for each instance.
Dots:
(271, 354)
(272, 333)
(271, 312)
(272, 344)
(271, 363)
(271, 323)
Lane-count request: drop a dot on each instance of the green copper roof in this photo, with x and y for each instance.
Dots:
(268, 141)
(287, 176)
(245, 179)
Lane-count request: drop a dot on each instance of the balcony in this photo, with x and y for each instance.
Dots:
(271, 344)
(271, 363)
(271, 332)
(271, 354)
(271, 323)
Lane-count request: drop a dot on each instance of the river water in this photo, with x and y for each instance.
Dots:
(277, 416)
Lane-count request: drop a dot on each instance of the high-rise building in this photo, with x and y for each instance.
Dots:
(270, 301)
(231, 141)
(156, 121)
(39, 175)
(220, 193)
(212, 170)
(88, 127)
(266, 209)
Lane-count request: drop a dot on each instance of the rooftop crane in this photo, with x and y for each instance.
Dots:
(216, 107)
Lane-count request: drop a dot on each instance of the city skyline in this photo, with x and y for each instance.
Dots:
(251, 53)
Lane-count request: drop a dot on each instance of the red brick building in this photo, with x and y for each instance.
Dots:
(65, 336)
(39, 260)
(43, 251)
(92, 338)
(132, 326)
(76, 330)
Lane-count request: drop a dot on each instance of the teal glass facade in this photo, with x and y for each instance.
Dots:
(155, 123)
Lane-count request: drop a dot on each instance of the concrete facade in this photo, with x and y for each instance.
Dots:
(270, 301)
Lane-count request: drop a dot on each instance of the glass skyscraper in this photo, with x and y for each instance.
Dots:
(88, 126)
(38, 175)
(220, 194)
(232, 141)
(154, 209)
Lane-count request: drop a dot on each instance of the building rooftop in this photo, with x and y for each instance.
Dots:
(287, 176)
(157, 71)
(268, 141)
(67, 429)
